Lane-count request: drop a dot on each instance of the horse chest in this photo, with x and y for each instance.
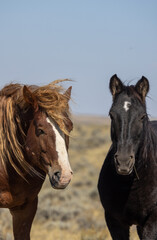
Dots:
(143, 197)
(135, 209)
(17, 192)
(137, 203)
(121, 197)
(113, 191)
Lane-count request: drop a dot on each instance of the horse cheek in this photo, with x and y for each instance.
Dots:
(43, 144)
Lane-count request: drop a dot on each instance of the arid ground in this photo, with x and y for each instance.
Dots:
(74, 213)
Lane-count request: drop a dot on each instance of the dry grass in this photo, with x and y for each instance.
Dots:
(74, 213)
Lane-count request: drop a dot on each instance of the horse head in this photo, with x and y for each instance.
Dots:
(128, 117)
(46, 144)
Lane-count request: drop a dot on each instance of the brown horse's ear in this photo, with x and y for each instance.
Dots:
(116, 85)
(68, 93)
(142, 87)
(30, 98)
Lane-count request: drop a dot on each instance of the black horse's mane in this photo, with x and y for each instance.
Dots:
(149, 146)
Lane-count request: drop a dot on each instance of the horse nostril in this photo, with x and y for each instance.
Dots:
(57, 175)
(131, 157)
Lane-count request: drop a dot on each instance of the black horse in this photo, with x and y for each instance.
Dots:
(128, 178)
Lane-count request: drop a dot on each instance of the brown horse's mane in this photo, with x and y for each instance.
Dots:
(50, 98)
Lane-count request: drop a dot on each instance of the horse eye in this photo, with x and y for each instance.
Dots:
(143, 116)
(40, 131)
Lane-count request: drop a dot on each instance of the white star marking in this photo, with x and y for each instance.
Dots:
(126, 105)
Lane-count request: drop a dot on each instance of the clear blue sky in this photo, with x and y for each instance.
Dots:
(85, 40)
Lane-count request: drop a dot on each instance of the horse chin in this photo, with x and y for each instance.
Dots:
(58, 185)
(124, 173)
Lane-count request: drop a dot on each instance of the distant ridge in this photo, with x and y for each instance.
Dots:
(91, 119)
(95, 119)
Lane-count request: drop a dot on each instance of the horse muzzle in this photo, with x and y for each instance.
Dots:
(59, 180)
(124, 164)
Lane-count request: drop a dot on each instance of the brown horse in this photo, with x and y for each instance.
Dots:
(34, 140)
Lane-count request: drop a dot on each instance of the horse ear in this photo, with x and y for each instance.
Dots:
(142, 87)
(67, 93)
(30, 98)
(116, 85)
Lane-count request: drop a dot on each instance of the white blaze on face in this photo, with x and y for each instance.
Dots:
(126, 105)
(63, 159)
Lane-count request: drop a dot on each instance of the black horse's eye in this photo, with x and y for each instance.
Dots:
(143, 117)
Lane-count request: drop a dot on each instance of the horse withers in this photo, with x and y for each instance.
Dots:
(34, 141)
(128, 179)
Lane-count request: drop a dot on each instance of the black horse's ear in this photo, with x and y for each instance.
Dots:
(67, 93)
(30, 98)
(142, 87)
(116, 85)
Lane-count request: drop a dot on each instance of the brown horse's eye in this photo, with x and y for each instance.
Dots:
(40, 131)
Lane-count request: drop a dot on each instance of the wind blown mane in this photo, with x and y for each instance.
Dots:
(50, 98)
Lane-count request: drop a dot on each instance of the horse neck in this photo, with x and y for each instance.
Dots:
(148, 150)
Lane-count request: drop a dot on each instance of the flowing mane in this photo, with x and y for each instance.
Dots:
(50, 99)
